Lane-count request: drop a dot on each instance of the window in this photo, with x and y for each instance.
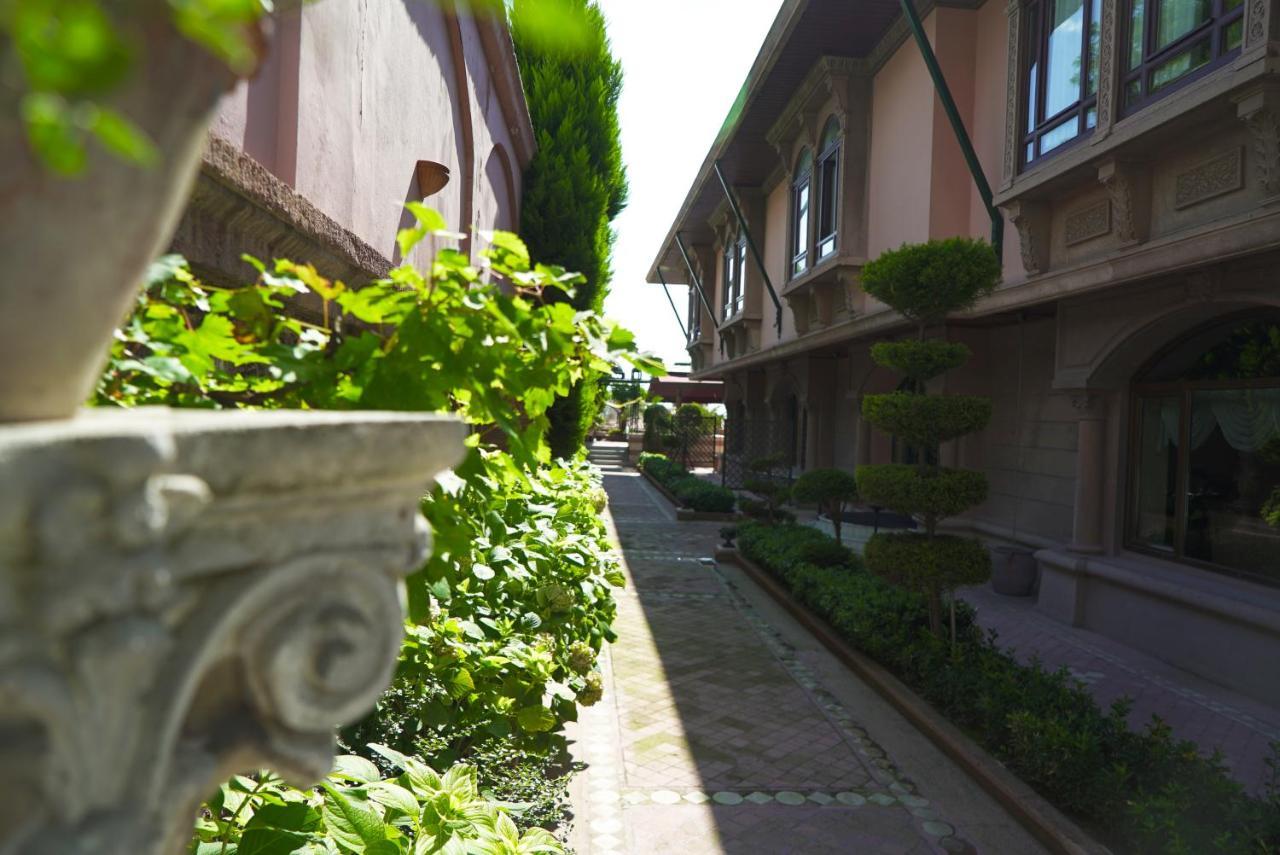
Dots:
(1206, 451)
(735, 273)
(800, 188)
(1061, 76)
(1173, 41)
(828, 188)
(695, 316)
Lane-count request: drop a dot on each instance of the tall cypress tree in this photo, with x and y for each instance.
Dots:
(576, 184)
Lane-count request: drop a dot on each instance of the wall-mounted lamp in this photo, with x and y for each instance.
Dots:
(432, 177)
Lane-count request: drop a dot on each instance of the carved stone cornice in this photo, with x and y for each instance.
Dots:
(187, 595)
(830, 76)
(1032, 220)
(1259, 109)
(1128, 185)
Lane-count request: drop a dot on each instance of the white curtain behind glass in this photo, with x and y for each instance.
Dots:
(1248, 418)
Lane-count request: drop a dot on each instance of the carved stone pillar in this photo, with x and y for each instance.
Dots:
(186, 595)
(1091, 424)
(1108, 70)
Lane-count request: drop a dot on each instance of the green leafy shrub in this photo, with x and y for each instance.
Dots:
(773, 493)
(518, 591)
(1140, 791)
(700, 496)
(824, 553)
(576, 183)
(933, 495)
(358, 810)
(920, 361)
(831, 489)
(925, 283)
(920, 562)
(657, 427)
(691, 491)
(924, 421)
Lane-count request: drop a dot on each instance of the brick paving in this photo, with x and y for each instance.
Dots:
(717, 736)
(1209, 715)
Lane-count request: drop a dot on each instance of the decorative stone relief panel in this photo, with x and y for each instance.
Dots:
(1106, 68)
(189, 595)
(1012, 137)
(1217, 176)
(1088, 223)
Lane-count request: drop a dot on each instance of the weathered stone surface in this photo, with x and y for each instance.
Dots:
(185, 595)
(77, 249)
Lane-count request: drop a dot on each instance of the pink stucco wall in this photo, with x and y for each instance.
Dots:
(356, 93)
(901, 150)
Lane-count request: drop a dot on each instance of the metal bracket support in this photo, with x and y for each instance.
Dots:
(751, 242)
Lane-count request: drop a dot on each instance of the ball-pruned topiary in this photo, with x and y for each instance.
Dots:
(831, 489)
(926, 282)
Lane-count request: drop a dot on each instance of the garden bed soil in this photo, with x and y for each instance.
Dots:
(684, 514)
(1048, 824)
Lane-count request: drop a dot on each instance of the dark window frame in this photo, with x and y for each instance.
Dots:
(802, 181)
(734, 276)
(828, 203)
(1213, 30)
(1183, 390)
(1035, 33)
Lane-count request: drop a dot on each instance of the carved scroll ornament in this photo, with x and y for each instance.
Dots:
(186, 596)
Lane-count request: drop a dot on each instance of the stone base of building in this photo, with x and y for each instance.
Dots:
(1216, 628)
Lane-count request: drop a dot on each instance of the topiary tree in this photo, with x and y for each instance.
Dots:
(657, 427)
(831, 489)
(773, 493)
(925, 283)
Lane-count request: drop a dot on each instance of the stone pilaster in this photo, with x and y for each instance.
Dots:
(1013, 85)
(1091, 423)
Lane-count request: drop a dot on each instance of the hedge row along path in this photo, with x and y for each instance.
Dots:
(727, 728)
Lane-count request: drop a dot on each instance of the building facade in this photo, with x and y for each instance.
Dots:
(1132, 349)
(357, 109)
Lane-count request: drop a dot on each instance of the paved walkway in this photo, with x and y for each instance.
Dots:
(726, 728)
(1194, 708)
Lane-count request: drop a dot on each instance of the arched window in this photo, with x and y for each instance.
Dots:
(1205, 480)
(828, 188)
(800, 197)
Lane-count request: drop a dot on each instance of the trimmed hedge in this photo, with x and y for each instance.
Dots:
(902, 489)
(920, 360)
(923, 421)
(1140, 792)
(693, 493)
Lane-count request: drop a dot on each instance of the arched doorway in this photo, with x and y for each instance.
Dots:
(1204, 479)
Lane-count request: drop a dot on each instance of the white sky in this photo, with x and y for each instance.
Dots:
(684, 62)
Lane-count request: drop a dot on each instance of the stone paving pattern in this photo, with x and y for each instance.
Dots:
(1209, 715)
(715, 738)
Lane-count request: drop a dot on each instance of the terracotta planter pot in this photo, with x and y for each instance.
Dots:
(76, 248)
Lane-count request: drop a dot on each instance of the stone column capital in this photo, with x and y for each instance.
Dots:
(187, 595)
(1089, 404)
